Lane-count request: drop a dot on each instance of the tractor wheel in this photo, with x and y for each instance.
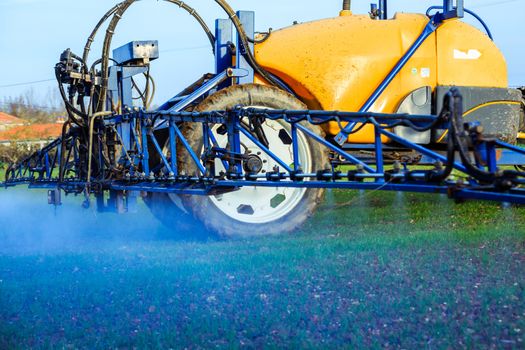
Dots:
(168, 209)
(256, 211)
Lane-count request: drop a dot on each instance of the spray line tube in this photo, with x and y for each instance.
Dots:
(90, 147)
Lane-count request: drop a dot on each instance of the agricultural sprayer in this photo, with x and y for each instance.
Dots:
(417, 102)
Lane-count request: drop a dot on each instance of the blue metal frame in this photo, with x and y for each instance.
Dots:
(38, 170)
(430, 28)
(472, 13)
(138, 147)
(449, 11)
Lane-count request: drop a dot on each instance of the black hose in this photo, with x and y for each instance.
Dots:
(347, 5)
(62, 166)
(439, 176)
(91, 38)
(459, 135)
(117, 16)
(105, 52)
(199, 19)
(69, 107)
(263, 39)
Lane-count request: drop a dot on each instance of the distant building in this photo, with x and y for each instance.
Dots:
(8, 121)
(30, 135)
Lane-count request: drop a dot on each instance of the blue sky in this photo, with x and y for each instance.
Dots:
(33, 33)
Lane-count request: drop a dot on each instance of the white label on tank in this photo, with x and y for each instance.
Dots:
(425, 72)
(469, 55)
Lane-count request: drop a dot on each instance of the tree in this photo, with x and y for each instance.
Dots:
(28, 107)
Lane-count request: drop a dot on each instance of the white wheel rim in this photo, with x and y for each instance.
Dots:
(259, 205)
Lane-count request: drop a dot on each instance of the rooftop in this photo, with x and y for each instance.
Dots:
(9, 119)
(32, 132)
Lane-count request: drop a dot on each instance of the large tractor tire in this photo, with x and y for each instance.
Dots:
(168, 209)
(255, 211)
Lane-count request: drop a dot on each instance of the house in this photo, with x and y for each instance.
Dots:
(31, 135)
(8, 121)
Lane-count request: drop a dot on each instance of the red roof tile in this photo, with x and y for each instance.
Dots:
(9, 119)
(32, 132)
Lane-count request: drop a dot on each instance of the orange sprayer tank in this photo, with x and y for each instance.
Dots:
(337, 63)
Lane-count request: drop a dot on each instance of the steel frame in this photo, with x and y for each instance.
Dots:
(41, 170)
(61, 165)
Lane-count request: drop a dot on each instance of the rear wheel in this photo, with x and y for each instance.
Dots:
(254, 211)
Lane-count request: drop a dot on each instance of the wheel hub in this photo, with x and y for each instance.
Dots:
(252, 164)
(258, 205)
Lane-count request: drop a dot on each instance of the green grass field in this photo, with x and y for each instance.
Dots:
(368, 271)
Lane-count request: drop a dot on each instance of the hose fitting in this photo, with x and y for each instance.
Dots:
(347, 6)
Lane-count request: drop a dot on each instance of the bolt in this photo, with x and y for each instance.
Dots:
(397, 166)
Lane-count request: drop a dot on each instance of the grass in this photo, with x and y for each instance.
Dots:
(369, 270)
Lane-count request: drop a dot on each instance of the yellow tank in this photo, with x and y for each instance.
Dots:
(337, 63)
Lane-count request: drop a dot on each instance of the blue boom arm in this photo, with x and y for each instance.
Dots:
(122, 145)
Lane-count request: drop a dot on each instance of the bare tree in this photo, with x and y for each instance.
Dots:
(36, 110)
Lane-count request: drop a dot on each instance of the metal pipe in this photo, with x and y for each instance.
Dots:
(430, 28)
(448, 5)
(383, 9)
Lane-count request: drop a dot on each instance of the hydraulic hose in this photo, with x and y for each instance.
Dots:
(118, 12)
(91, 38)
(198, 18)
(105, 52)
(472, 13)
(458, 136)
(69, 106)
(112, 11)
(121, 8)
(90, 146)
(61, 170)
(451, 150)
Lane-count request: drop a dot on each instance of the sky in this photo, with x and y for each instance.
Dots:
(33, 33)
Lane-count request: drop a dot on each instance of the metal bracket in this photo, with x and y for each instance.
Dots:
(247, 19)
(451, 10)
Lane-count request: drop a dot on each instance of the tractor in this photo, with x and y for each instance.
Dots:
(414, 102)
